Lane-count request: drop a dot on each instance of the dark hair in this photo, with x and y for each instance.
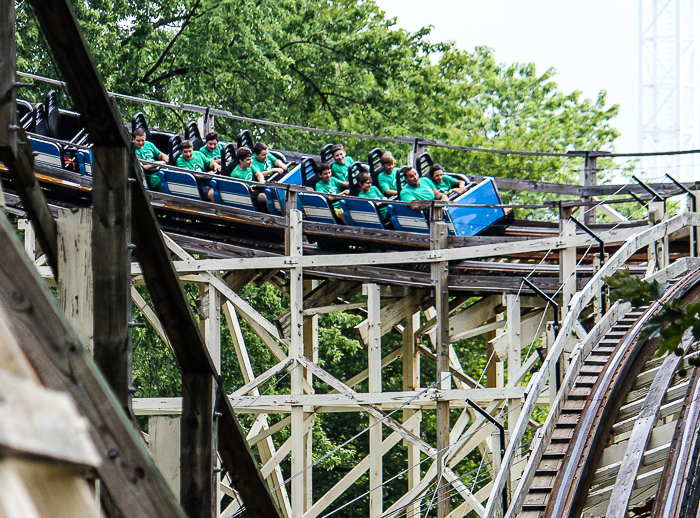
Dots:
(363, 177)
(324, 166)
(386, 158)
(185, 144)
(243, 153)
(259, 148)
(212, 135)
(337, 147)
(433, 168)
(138, 132)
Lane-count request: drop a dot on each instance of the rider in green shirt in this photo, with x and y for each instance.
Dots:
(387, 178)
(195, 161)
(146, 151)
(244, 170)
(367, 190)
(211, 150)
(266, 163)
(331, 185)
(444, 183)
(417, 189)
(341, 163)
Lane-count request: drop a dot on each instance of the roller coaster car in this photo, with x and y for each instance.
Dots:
(423, 163)
(192, 134)
(228, 159)
(326, 155)
(232, 193)
(360, 212)
(158, 137)
(179, 183)
(375, 166)
(244, 139)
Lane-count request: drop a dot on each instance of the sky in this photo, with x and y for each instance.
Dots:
(592, 44)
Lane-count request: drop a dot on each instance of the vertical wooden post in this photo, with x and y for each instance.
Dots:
(164, 443)
(567, 261)
(694, 244)
(311, 352)
(111, 266)
(75, 271)
(658, 250)
(374, 355)
(29, 237)
(589, 177)
(512, 304)
(438, 241)
(411, 381)
(293, 248)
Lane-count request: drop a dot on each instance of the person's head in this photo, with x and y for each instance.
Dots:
(324, 172)
(364, 180)
(260, 151)
(338, 153)
(436, 173)
(244, 157)
(211, 140)
(139, 138)
(387, 162)
(186, 149)
(412, 178)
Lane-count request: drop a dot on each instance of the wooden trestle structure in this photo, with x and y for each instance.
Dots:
(462, 288)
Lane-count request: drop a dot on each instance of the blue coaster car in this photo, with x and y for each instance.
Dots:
(361, 213)
(408, 220)
(316, 208)
(179, 184)
(47, 152)
(232, 193)
(470, 221)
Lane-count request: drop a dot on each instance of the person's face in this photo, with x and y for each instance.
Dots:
(366, 185)
(140, 141)
(262, 156)
(339, 156)
(412, 178)
(187, 153)
(246, 162)
(325, 176)
(211, 145)
(437, 176)
(388, 168)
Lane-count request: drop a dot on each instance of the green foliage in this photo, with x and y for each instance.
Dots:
(632, 289)
(670, 322)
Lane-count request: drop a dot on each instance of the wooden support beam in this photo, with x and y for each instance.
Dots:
(164, 443)
(56, 353)
(15, 150)
(111, 269)
(102, 120)
(75, 291)
(411, 381)
(438, 241)
(374, 355)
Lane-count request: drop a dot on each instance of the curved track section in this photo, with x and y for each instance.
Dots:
(625, 431)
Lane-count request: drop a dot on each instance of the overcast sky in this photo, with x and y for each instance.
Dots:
(592, 44)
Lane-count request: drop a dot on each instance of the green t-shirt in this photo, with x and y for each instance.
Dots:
(447, 183)
(196, 163)
(341, 171)
(387, 180)
(424, 191)
(333, 187)
(148, 152)
(260, 167)
(374, 193)
(210, 156)
(242, 174)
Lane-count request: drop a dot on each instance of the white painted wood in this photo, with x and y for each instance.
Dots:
(212, 326)
(513, 336)
(335, 307)
(567, 264)
(264, 377)
(411, 381)
(279, 425)
(164, 444)
(374, 355)
(530, 329)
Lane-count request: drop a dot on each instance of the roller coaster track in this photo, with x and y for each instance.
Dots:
(622, 436)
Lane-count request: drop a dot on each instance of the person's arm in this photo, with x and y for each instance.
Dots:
(260, 177)
(461, 186)
(214, 166)
(281, 165)
(162, 158)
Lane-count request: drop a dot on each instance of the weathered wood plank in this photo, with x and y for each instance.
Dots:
(55, 352)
